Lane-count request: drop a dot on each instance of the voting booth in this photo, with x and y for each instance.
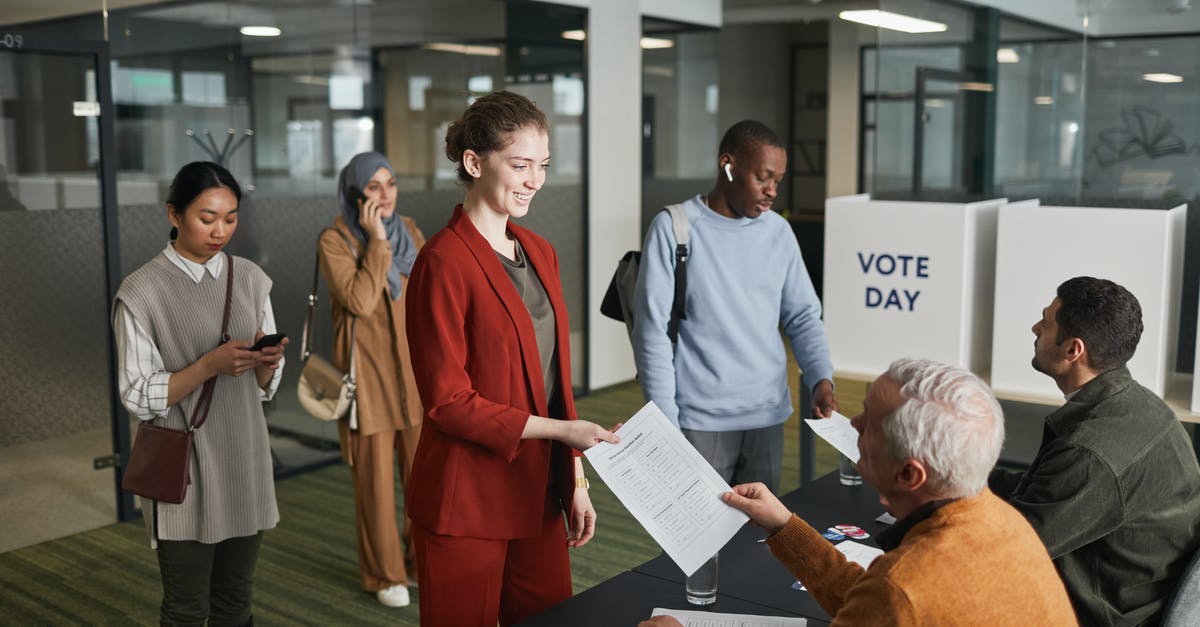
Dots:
(908, 279)
(1039, 247)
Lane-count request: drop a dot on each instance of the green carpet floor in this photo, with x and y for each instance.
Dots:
(307, 573)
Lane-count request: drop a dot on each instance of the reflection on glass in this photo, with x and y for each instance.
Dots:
(55, 408)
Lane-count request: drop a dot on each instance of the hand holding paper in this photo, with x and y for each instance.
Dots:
(763, 507)
(837, 431)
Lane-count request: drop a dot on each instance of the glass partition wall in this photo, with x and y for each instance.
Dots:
(978, 102)
(981, 102)
(680, 104)
(283, 95)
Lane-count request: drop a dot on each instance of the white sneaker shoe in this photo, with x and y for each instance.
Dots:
(394, 596)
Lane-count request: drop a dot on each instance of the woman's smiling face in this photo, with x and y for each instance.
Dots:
(508, 178)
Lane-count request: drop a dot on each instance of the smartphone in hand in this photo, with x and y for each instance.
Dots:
(356, 195)
(268, 340)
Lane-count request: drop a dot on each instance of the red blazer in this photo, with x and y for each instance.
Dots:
(477, 367)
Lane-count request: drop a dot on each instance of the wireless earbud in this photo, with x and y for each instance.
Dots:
(728, 172)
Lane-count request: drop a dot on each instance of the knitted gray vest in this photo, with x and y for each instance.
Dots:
(232, 493)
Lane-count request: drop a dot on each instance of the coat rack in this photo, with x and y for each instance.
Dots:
(221, 155)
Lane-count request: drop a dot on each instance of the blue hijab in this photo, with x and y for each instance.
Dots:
(358, 173)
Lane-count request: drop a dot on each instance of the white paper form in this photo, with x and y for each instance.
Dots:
(692, 618)
(861, 554)
(837, 431)
(668, 487)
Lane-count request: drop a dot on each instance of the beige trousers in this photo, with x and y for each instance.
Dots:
(384, 555)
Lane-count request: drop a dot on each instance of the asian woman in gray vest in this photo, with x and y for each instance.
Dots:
(167, 319)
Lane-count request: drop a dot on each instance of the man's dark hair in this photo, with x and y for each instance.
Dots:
(1104, 315)
(748, 134)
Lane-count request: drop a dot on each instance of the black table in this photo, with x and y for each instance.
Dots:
(750, 572)
(628, 598)
(750, 579)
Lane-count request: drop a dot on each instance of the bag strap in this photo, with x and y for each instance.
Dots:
(310, 317)
(682, 229)
(351, 378)
(206, 393)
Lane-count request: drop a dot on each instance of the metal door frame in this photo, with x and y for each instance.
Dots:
(920, 91)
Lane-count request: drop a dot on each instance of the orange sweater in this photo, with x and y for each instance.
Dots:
(975, 561)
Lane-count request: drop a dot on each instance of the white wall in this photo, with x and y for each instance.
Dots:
(845, 39)
(614, 91)
(614, 94)
(703, 12)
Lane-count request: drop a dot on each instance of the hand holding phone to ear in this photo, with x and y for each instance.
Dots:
(370, 215)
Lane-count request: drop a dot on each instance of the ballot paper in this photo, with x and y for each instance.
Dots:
(693, 618)
(837, 431)
(858, 553)
(668, 487)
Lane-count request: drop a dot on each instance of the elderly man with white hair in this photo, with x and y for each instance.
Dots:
(957, 555)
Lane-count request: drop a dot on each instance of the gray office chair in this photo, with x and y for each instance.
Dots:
(1184, 608)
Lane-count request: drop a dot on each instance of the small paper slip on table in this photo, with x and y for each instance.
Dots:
(693, 618)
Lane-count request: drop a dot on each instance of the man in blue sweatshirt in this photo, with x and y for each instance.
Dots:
(725, 381)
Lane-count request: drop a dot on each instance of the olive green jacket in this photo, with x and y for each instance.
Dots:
(1114, 493)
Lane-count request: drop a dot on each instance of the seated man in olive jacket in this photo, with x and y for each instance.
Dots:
(1114, 491)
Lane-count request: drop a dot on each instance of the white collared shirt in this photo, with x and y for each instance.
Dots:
(141, 379)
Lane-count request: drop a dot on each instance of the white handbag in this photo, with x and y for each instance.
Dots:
(326, 392)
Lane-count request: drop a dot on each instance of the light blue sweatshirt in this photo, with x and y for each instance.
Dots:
(745, 281)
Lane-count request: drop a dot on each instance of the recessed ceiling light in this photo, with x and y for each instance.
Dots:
(655, 43)
(976, 86)
(1044, 100)
(1162, 77)
(1007, 55)
(479, 51)
(648, 43)
(893, 21)
(261, 31)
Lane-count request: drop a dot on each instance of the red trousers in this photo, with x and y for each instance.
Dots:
(473, 582)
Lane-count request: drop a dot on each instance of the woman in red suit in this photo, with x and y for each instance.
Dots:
(498, 462)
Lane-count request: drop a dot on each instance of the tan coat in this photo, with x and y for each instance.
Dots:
(387, 392)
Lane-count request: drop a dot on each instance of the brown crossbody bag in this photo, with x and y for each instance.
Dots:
(160, 459)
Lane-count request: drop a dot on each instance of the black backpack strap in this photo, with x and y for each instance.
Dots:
(679, 224)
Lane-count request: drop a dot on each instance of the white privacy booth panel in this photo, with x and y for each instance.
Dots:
(908, 279)
(1040, 247)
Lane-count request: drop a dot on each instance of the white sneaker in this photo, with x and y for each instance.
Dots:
(394, 596)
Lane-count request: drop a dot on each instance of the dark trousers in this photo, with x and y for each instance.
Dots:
(743, 456)
(208, 581)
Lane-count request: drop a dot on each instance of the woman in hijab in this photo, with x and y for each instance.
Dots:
(366, 259)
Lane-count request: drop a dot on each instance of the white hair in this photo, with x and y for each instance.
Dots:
(950, 421)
